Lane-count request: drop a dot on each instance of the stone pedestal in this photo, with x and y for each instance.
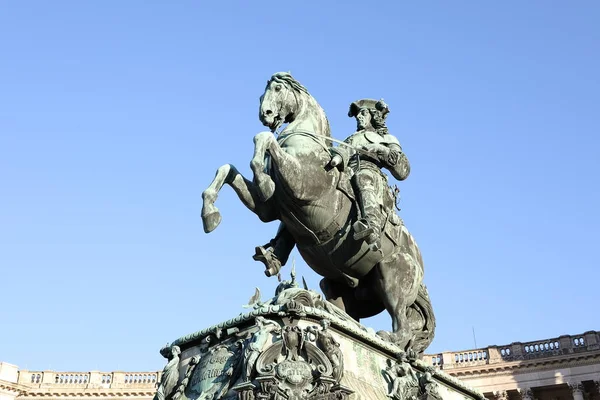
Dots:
(298, 346)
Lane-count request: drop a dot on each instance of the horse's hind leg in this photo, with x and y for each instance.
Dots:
(246, 191)
(397, 282)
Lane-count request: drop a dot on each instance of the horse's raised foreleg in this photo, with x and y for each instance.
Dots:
(290, 169)
(246, 191)
(262, 180)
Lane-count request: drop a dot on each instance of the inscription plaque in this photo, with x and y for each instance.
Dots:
(214, 373)
(295, 372)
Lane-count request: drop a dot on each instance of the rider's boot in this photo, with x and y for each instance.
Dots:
(362, 229)
(369, 226)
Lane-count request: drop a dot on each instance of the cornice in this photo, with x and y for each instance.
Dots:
(12, 387)
(95, 393)
(23, 391)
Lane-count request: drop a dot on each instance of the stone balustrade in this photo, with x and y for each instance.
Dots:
(93, 379)
(517, 351)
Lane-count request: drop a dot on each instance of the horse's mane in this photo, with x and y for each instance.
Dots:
(286, 78)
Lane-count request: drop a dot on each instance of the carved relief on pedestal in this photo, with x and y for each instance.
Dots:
(301, 366)
(279, 352)
(409, 384)
(332, 349)
(186, 378)
(254, 345)
(404, 381)
(217, 369)
(267, 360)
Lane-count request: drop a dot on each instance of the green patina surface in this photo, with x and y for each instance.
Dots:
(367, 347)
(367, 359)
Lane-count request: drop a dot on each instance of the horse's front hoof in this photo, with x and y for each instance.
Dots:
(211, 221)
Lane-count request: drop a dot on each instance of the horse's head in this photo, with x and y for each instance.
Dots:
(279, 102)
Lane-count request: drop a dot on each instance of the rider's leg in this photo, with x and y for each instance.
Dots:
(369, 226)
(283, 246)
(276, 253)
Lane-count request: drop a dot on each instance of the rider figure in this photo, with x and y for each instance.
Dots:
(376, 149)
(379, 150)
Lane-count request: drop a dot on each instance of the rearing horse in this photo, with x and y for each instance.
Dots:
(296, 185)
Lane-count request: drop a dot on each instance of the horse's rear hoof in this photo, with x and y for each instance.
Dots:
(396, 338)
(211, 221)
(385, 335)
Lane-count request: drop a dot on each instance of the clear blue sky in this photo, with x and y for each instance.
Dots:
(114, 116)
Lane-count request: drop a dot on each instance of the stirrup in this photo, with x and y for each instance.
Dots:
(374, 241)
(269, 259)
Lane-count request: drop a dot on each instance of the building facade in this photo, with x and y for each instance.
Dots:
(562, 368)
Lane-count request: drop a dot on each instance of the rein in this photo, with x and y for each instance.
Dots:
(282, 138)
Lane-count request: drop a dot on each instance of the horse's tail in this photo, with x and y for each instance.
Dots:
(422, 321)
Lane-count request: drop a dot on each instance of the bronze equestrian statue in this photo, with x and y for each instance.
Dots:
(335, 206)
(379, 149)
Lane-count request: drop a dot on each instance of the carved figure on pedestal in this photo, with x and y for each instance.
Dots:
(294, 182)
(331, 348)
(405, 382)
(429, 387)
(293, 341)
(170, 374)
(256, 343)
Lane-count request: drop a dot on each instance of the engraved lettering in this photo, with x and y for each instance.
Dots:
(213, 369)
